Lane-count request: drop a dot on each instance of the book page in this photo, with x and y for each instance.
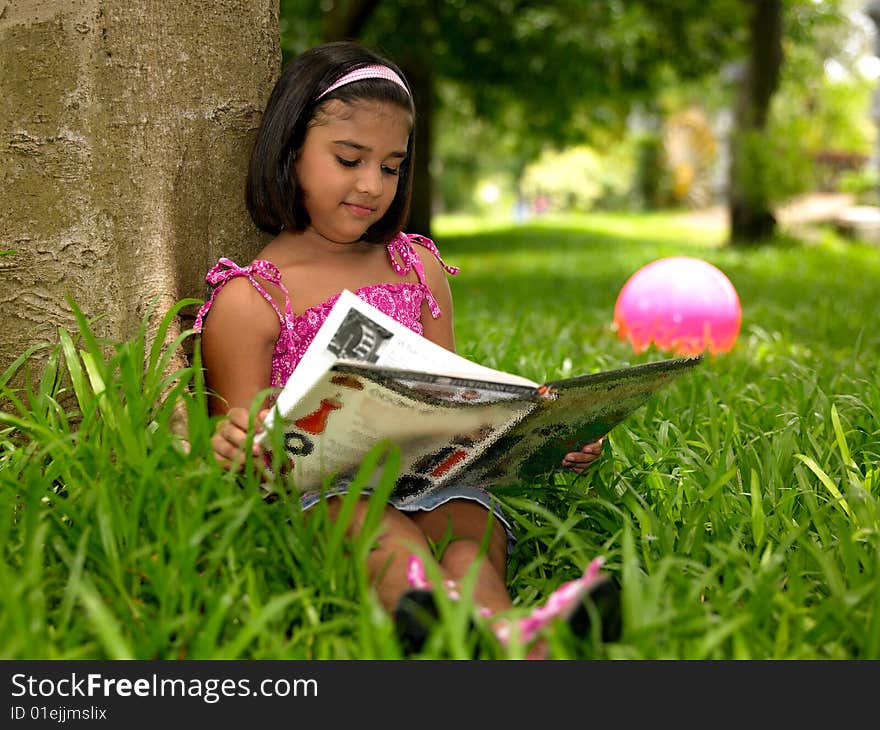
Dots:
(574, 412)
(347, 411)
(441, 389)
(355, 330)
(407, 350)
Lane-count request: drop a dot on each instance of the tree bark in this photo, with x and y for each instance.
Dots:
(346, 20)
(126, 133)
(421, 77)
(751, 214)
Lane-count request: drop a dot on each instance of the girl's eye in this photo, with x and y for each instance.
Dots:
(354, 163)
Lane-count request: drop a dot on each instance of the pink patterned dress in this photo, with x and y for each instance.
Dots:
(401, 300)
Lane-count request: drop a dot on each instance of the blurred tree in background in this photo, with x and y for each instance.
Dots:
(751, 215)
(499, 82)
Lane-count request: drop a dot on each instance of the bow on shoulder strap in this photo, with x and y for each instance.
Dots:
(404, 259)
(226, 269)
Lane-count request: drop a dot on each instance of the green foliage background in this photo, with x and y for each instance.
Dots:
(514, 81)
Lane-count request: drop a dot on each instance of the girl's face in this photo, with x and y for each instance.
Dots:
(348, 166)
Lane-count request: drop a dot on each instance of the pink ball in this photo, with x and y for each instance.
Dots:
(680, 304)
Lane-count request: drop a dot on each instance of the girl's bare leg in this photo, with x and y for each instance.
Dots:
(399, 538)
(466, 521)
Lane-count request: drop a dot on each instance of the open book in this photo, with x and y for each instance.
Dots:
(365, 377)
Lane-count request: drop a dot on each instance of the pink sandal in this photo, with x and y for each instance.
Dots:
(568, 604)
(416, 611)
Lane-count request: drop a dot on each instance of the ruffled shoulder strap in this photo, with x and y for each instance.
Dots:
(226, 269)
(404, 259)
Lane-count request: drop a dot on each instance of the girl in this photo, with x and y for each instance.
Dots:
(330, 177)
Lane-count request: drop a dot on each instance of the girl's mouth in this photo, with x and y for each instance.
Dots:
(359, 210)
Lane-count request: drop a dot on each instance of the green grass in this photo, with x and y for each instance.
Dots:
(739, 509)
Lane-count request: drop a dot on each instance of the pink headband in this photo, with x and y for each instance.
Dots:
(365, 72)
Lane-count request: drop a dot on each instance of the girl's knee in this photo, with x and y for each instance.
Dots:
(399, 529)
(395, 527)
(461, 553)
(359, 510)
(471, 527)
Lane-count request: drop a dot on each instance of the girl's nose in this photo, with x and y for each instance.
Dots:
(370, 181)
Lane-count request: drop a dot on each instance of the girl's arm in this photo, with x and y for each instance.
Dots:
(440, 331)
(238, 339)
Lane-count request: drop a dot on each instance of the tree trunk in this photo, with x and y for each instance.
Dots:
(346, 20)
(127, 130)
(751, 214)
(421, 78)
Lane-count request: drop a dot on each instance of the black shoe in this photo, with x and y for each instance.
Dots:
(604, 600)
(414, 617)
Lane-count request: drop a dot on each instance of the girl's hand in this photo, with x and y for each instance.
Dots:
(229, 439)
(581, 460)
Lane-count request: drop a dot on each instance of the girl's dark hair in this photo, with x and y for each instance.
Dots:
(274, 196)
